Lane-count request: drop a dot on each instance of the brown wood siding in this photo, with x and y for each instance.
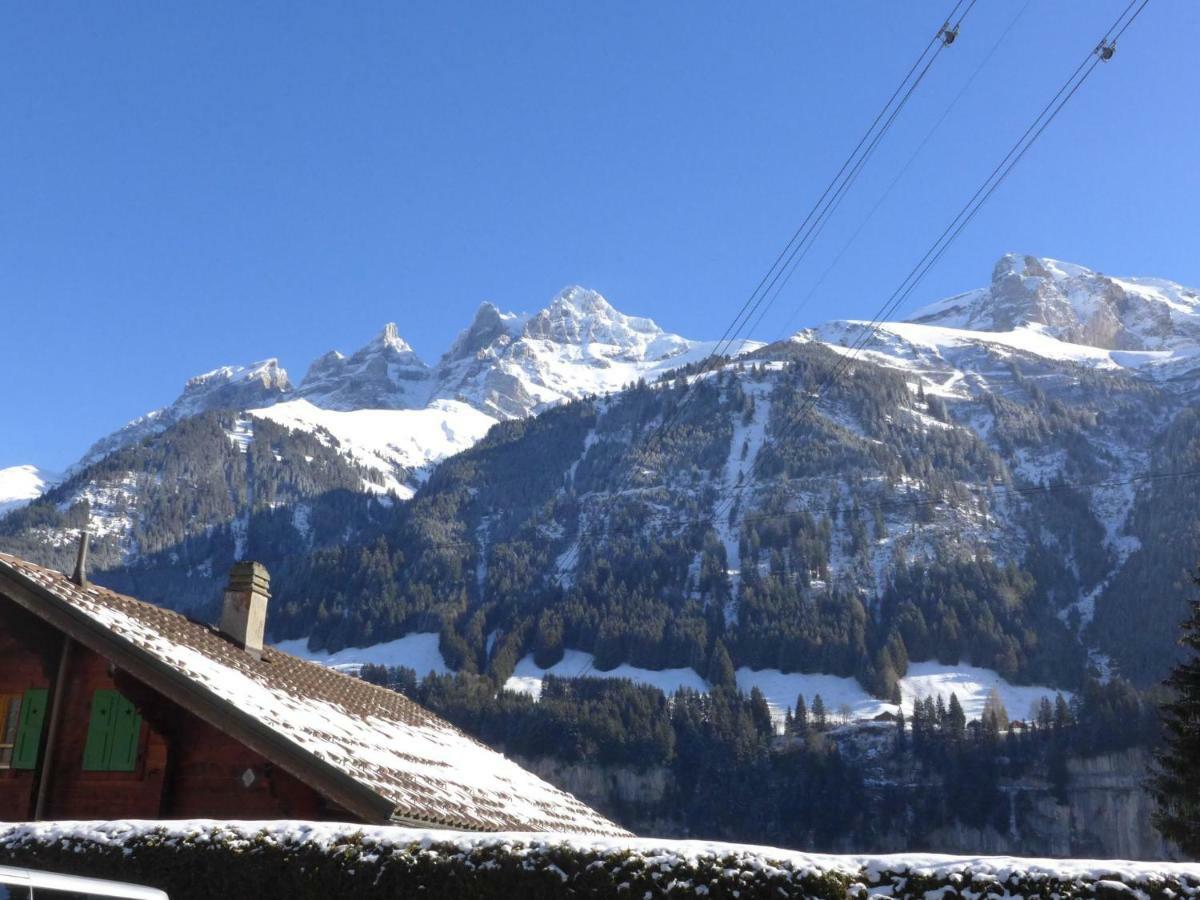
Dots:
(186, 768)
(25, 647)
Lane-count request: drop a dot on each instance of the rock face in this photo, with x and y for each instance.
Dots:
(1075, 305)
(1107, 814)
(385, 374)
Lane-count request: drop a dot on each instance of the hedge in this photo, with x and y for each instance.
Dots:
(296, 860)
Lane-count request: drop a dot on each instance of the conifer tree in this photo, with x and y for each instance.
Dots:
(1176, 784)
(956, 719)
(720, 668)
(761, 712)
(1062, 713)
(800, 718)
(901, 735)
(820, 720)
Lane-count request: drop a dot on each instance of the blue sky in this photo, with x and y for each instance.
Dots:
(188, 185)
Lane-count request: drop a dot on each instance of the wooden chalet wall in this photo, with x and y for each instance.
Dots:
(185, 767)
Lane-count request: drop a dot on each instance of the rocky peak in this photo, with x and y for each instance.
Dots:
(233, 387)
(384, 374)
(490, 328)
(581, 316)
(1074, 304)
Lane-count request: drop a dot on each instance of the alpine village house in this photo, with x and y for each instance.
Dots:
(113, 708)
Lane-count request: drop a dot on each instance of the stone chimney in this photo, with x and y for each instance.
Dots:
(244, 613)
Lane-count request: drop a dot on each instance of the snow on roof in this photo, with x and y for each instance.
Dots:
(428, 769)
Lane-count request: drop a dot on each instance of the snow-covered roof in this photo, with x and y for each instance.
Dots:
(351, 738)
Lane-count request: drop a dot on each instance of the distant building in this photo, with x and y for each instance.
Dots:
(113, 708)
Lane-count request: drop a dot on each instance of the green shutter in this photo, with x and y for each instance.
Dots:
(126, 729)
(29, 729)
(99, 737)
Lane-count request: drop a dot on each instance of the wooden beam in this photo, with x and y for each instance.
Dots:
(46, 767)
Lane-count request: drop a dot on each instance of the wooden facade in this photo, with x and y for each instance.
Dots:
(172, 764)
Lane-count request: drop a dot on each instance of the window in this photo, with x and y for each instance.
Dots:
(113, 732)
(21, 717)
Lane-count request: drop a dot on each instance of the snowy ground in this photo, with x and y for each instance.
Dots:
(389, 440)
(844, 698)
(527, 677)
(21, 484)
(417, 651)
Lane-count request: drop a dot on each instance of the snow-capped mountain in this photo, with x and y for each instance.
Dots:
(1042, 310)
(386, 409)
(1077, 306)
(20, 485)
(1051, 375)
(385, 374)
(228, 387)
(1143, 322)
(511, 365)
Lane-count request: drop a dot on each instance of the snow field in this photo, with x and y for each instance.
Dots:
(389, 439)
(418, 651)
(844, 698)
(21, 484)
(527, 677)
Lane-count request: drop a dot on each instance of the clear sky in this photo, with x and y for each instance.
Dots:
(188, 185)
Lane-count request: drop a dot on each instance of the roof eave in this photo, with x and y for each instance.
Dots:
(337, 786)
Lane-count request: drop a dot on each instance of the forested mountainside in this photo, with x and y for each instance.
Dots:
(970, 489)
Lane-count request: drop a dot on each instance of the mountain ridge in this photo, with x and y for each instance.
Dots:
(893, 488)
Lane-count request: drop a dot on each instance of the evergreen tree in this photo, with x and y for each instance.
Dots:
(761, 712)
(1176, 785)
(1045, 714)
(800, 718)
(820, 720)
(720, 668)
(1062, 713)
(956, 719)
(901, 735)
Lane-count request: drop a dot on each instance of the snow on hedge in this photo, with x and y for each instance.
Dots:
(204, 858)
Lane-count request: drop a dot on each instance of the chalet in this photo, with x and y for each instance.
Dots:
(114, 708)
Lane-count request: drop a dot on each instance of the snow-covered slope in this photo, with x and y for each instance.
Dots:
(21, 484)
(1067, 313)
(228, 387)
(400, 444)
(388, 410)
(514, 365)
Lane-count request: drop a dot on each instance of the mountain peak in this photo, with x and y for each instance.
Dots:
(578, 315)
(489, 328)
(390, 339)
(227, 387)
(1074, 304)
(267, 373)
(384, 374)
